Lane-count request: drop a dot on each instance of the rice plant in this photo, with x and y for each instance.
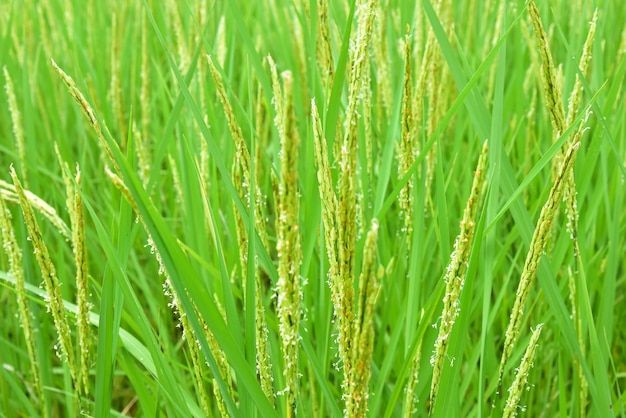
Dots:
(316, 208)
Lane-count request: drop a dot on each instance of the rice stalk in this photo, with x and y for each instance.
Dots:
(299, 47)
(324, 51)
(569, 188)
(382, 59)
(197, 363)
(426, 84)
(470, 24)
(187, 330)
(434, 86)
(45, 32)
(14, 254)
(622, 46)
(77, 221)
(347, 200)
(142, 145)
(409, 149)
(288, 244)
(329, 206)
(262, 344)
(531, 134)
(115, 86)
(583, 66)
(54, 299)
(54, 35)
(220, 42)
(368, 138)
(521, 377)
(9, 193)
(578, 327)
(16, 120)
(573, 107)
(552, 89)
(222, 364)
(179, 35)
(410, 399)
(233, 124)
(177, 185)
(534, 70)
(571, 208)
(262, 126)
(537, 248)
(339, 210)
(242, 151)
(363, 328)
(88, 112)
(202, 147)
(495, 36)
(241, 174)
(197, 368)
(455, 275)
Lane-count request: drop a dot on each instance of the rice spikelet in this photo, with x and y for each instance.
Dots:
(383, 70)
(188, 333)
(408, 149)
(288, 244)
(521, 377)
(50, 279)
(88, 112)
(455, 274)
(324, 49)
(16, 120)
(179, 35)
(8, 193)
(347, 199)
(363, 331)
(77, 220)
(14, 255)
(142, 134)
(583, 66)
(552, 90)
(537, 248)
(329, 204)
(115, 87)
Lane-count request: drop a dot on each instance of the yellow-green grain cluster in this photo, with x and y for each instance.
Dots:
(408, 151)
(552, 89)
(288, 244)
(142, 133)
(52, 285)
(188, 333)
(583, 65)
(88, 112)
(383, 70)
(16, 120)
(572, 111)
(537, 248)
(242, 154)
(521, 376)
(324, 50)
(14, 254)
(77, 221)
(179, 34)
(241, 176)
(346, 197)
(115, 85)
(552, 95)
(339, 215)
(363, 326)
(9, 193)
(274, 156)
(455, 274)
